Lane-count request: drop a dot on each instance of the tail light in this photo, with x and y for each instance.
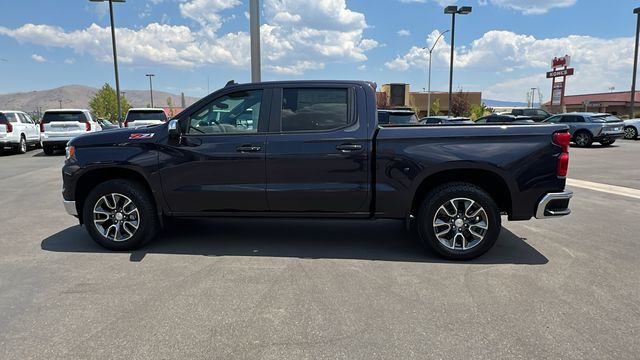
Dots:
(126, 123)
(87, 126)
(562, 139)
(9, 127)
(41, 126)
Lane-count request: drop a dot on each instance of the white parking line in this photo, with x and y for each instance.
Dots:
(606, 188)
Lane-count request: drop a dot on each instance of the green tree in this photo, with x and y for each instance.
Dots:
(478, 111)
(460, 105)
(104, 105)
(170, 105)
(435, 107)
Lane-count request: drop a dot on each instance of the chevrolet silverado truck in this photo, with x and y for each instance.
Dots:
(315, 149)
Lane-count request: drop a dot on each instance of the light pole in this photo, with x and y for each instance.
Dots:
(635, 66)
(429, 84)
(453, 10)
(254, 26)
(151, 87)
(115, 55)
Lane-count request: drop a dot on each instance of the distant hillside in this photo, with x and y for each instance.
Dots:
(78, 96)
(499, 103)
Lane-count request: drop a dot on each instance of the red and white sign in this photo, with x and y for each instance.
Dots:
(561, 61)
(557, 73)
(556, 95)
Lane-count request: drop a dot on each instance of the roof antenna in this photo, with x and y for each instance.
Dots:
(230, 82)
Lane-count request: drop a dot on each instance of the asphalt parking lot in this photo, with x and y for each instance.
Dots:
(566, 288)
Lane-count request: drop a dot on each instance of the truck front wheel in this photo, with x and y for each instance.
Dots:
(460, 221)
(120, 215)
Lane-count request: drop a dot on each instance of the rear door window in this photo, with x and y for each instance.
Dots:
(572, 119)
(314, 109)
(77, 116)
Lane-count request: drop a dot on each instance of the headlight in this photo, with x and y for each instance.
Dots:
(70, 152)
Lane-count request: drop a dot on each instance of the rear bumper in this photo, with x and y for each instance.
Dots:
(554, 205)
(609, 136)
(8, 144)
(56, 142)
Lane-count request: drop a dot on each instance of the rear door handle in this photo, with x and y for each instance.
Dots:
(348, 147)
(248, 148)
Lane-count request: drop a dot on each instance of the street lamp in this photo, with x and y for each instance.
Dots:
(453, 10)
(429, 85)
(635, 66)
(115, 55)
(151, 87)
(254, 29)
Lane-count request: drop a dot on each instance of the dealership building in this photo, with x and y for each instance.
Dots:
(617, 103)
(400, 95)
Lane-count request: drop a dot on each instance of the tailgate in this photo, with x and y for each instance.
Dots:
(3, 131)
(65, 128)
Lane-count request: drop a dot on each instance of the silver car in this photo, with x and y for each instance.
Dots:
(587, 128)
(17, 131)
(631, 128)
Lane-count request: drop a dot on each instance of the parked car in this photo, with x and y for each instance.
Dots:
(587, 127)
(534, 114)
(106, 124)
(316, 150)
(431, 120)
(139, 117)
(397, 116)
(58, 126)
(631, 128)
(504, 119)
(17, 131)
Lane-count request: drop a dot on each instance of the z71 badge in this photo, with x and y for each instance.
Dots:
(139, 136)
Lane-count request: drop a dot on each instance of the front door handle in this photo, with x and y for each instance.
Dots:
(248, 148)
(348, 147)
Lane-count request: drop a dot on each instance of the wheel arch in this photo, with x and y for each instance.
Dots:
(88, 180)
(490, 181)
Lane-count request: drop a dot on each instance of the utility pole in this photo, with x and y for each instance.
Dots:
(151, 87)
(635, 66)
(254, 25)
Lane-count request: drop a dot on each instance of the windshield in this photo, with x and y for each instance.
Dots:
(135, 115)
(605, 118)
(403, 119)
(77, 116)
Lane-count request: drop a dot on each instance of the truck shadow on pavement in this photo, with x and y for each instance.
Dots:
(384, 240)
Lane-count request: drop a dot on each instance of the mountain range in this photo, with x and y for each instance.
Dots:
(78, 97)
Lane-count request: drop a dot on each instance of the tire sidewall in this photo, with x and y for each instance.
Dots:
(22, 145)
(141, 199)
(439, 196)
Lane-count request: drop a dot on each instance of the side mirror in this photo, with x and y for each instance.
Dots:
(174, 131)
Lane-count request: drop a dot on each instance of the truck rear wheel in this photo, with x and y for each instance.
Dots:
(460, 221)
(120, 215)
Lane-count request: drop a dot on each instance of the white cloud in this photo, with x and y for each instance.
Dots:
(362, 67)
(38, 58)
(521, 61)
(297, 36)
(70, 61)
(404, 32)
(439, 2)
(529, 7)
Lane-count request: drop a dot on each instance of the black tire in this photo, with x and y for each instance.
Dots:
(48, 150)
(441, 196)
(607, 142)
(583, 139)
(630, 133)
(22, 145)
(147, 220)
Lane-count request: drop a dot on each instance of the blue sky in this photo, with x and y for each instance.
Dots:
(503, 47)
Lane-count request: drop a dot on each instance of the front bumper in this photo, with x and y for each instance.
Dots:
(554, 205)
(70, 207)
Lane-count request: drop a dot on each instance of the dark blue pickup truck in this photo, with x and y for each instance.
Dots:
(314, 149)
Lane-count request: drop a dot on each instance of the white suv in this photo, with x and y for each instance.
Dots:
(144, 116)
(58, 126)
(17, 131)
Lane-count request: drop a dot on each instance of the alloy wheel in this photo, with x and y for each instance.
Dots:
(582, 139)
(630, 133)
(116, 217)
(460, 224)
